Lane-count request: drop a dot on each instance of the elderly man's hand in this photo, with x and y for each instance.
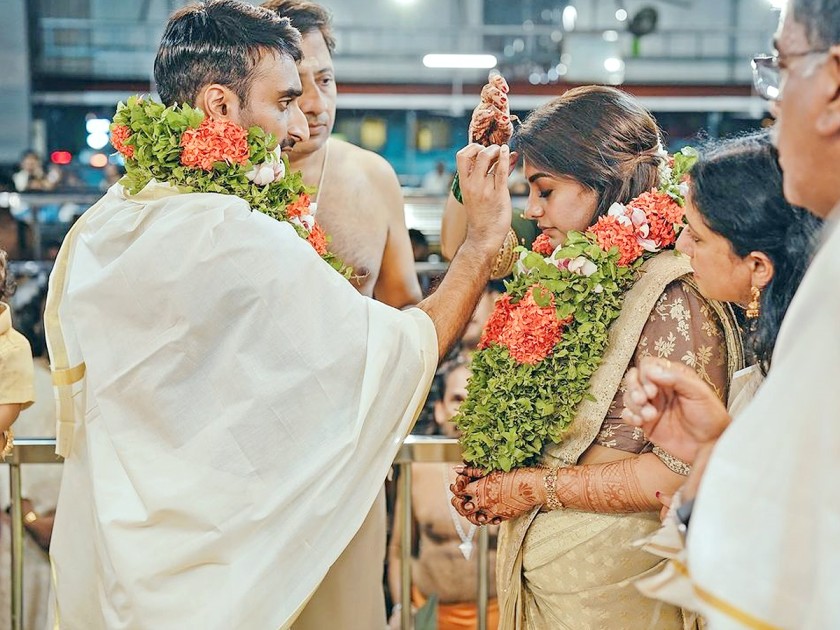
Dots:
(676, 409)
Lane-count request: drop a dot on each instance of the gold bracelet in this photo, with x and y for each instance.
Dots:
(550, 481)
(30, 517)
(674, 463)
(10, 444)
(506, 258)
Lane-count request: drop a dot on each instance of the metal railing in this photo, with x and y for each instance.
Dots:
(26, 451)
(414, 449)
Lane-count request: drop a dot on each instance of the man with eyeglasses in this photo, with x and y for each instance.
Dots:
(764, 536)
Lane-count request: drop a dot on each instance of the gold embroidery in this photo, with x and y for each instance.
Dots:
(665, 346)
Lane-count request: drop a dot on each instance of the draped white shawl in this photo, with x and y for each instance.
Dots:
(229, 406)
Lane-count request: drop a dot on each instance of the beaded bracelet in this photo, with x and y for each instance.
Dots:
(674, 463)
(550, 481)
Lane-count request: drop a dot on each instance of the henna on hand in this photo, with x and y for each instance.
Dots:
(505, 495)
(611, 488)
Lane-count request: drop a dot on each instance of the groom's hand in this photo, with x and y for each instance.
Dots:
(483, 174)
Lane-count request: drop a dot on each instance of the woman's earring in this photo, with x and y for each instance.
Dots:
(754, 307)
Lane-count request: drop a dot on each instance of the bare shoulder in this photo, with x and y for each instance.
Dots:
(375, 168)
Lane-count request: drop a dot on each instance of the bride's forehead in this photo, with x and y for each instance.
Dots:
(534, 174)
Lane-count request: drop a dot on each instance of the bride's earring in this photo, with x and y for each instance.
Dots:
(754, 307)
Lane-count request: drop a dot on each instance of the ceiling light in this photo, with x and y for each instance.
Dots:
(570, 15)
(459, 61)
(613, 64)
(610, 36)
(621, 15)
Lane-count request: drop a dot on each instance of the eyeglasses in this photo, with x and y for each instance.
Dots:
(767, 75)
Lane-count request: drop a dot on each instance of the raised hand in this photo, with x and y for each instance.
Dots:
(491, 121)
(676, 409)
(499, 495)
(483, 180)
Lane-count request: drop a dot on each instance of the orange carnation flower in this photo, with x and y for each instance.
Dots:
(496, 322)
(532, 330)
(299, 206)
(609, 233)
(662, 214)
(214, 141)
(318, 239)
(120, 135)
(542, 245)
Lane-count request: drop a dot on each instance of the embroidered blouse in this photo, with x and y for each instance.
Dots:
(681, 327)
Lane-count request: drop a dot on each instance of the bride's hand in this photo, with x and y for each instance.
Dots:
(499, 495)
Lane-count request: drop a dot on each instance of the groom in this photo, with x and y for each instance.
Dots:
(228, 403)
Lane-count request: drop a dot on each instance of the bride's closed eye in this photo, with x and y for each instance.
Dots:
(545, 193)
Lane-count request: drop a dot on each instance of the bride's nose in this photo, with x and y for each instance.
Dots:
(533, 211)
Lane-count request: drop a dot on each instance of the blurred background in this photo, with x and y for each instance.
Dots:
(66, 63)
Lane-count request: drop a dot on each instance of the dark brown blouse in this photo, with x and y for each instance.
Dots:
(681, 327)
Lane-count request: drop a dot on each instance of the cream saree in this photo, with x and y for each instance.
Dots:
(572, 569)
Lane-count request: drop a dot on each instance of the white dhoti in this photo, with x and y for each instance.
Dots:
(239, 407)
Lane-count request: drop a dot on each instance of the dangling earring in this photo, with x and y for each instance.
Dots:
(754, 307)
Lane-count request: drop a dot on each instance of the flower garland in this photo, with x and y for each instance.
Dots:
(181, 146)
(548, 332)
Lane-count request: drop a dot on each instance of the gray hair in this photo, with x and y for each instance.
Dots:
(821, 19)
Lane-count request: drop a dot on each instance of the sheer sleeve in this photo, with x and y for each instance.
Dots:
(681, 327)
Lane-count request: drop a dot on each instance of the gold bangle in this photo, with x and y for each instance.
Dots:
(673, 463)
(506, 258)
(550, 481)
(9, 445)
(30, 517)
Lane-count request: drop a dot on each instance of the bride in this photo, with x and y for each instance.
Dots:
(565, 556)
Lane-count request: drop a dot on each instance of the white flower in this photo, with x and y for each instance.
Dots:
(665, 172)
(640, 222)
(261, 174)
(683, 186)
(598, 288)
(649, 245)
(582, 266)
(617, 210)
(306, 221)
(272, 170)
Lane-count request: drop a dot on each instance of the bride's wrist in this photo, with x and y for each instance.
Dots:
(550, 500)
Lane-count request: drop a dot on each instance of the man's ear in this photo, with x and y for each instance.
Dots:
(828, 121)
(219, 103)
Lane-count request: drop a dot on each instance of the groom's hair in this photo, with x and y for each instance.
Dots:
(220, 41)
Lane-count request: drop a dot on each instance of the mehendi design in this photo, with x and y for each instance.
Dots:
(611, 488)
